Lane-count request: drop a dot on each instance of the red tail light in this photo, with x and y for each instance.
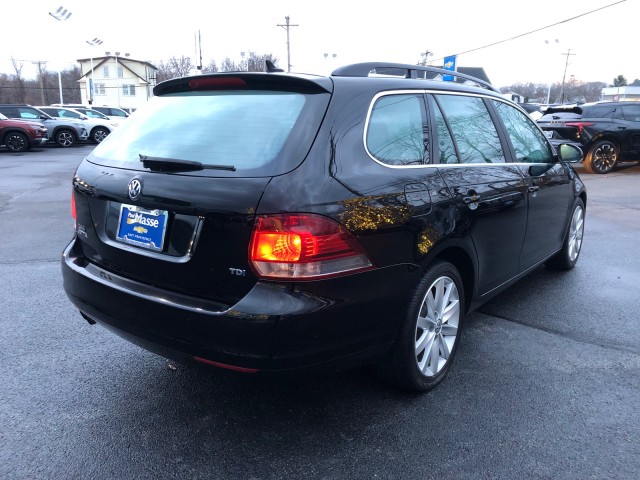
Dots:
(73, 206)
(579, 125)
(304, 246)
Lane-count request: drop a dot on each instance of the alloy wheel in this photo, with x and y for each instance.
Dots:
(576, 231)
(605, 157)
(437, 326)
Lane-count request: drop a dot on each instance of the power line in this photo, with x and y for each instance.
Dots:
(537, 29)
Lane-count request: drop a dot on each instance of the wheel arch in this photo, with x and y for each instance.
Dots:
(460, 258)
(65, 128)
(604, 136)
(101, 127)
(11, 130)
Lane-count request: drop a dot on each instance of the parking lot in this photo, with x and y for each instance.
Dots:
(546, 383)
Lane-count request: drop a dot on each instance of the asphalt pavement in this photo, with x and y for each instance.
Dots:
(546, 384)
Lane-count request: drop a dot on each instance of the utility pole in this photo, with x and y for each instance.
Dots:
(41, 72)
(424, 57)
(564, 75)
(287, 26)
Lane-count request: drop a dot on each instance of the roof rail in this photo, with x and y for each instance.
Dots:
(404, 70)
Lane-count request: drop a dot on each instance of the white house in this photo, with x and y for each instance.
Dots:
(116, 81)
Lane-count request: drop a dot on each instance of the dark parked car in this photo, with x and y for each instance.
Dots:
(20, 135)
(608, 132)
(301, 222)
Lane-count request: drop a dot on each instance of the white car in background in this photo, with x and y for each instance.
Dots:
(99, 127)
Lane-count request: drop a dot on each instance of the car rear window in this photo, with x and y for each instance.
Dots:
(259, 132)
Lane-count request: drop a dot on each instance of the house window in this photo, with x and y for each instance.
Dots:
(105, 72)
(120, 72)
(129, 90)
(99, 89)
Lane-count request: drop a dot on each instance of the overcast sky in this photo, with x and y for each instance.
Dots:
(603, 44)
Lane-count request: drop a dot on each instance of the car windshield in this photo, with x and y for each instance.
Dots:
(257, 132)
(93, 113)
(70, 114)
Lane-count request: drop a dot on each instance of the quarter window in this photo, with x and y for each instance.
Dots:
(395, 133)
(473, 130)
(631, 112)
(529, 144)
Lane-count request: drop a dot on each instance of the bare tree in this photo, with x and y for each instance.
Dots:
(212, 67)
(174, 68)
(42, 72)
(577, 90)
(17, 66)
(229, 65)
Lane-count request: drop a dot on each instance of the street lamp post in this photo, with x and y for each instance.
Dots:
(95, 42)
(61, 14)
(332, 57)
(556, 41)
(117, 73)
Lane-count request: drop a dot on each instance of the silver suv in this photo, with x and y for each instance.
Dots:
(64, 132)
(99, 128)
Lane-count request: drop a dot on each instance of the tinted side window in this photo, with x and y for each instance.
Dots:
(529, 144)
(28, 113)
(395, 130)
(631, 112)
(10, 112)
(599, 111)
(446, 147)
(473, 130)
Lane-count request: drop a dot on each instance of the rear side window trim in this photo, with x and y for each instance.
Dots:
(486, 99)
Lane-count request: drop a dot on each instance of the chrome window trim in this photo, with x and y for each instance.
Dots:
(421, 92)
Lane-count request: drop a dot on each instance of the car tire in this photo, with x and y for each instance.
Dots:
(64, 138)
(429, 336)
(602, 157)
(98, 134)
(16, 142)
(567, 257)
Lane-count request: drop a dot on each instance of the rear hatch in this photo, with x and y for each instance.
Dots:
(557, 123)
(168, 199)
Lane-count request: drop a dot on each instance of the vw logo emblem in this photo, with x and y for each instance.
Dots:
(135, 188)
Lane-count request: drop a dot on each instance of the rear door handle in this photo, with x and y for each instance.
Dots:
(471, 199)
(533, 189)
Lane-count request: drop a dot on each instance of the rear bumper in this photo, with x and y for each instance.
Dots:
(275, 327)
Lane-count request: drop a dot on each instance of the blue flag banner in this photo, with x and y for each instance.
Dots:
(449, 64)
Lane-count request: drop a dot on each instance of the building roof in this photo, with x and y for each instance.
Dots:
(477, 72)
(122, 61)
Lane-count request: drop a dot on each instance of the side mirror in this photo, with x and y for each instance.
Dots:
(569, 153)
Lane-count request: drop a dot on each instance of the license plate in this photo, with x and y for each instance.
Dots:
(141, 227)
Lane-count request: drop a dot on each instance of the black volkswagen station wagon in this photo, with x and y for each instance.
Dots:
(296, 222)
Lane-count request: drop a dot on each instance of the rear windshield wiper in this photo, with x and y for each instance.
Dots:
(177, 164)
